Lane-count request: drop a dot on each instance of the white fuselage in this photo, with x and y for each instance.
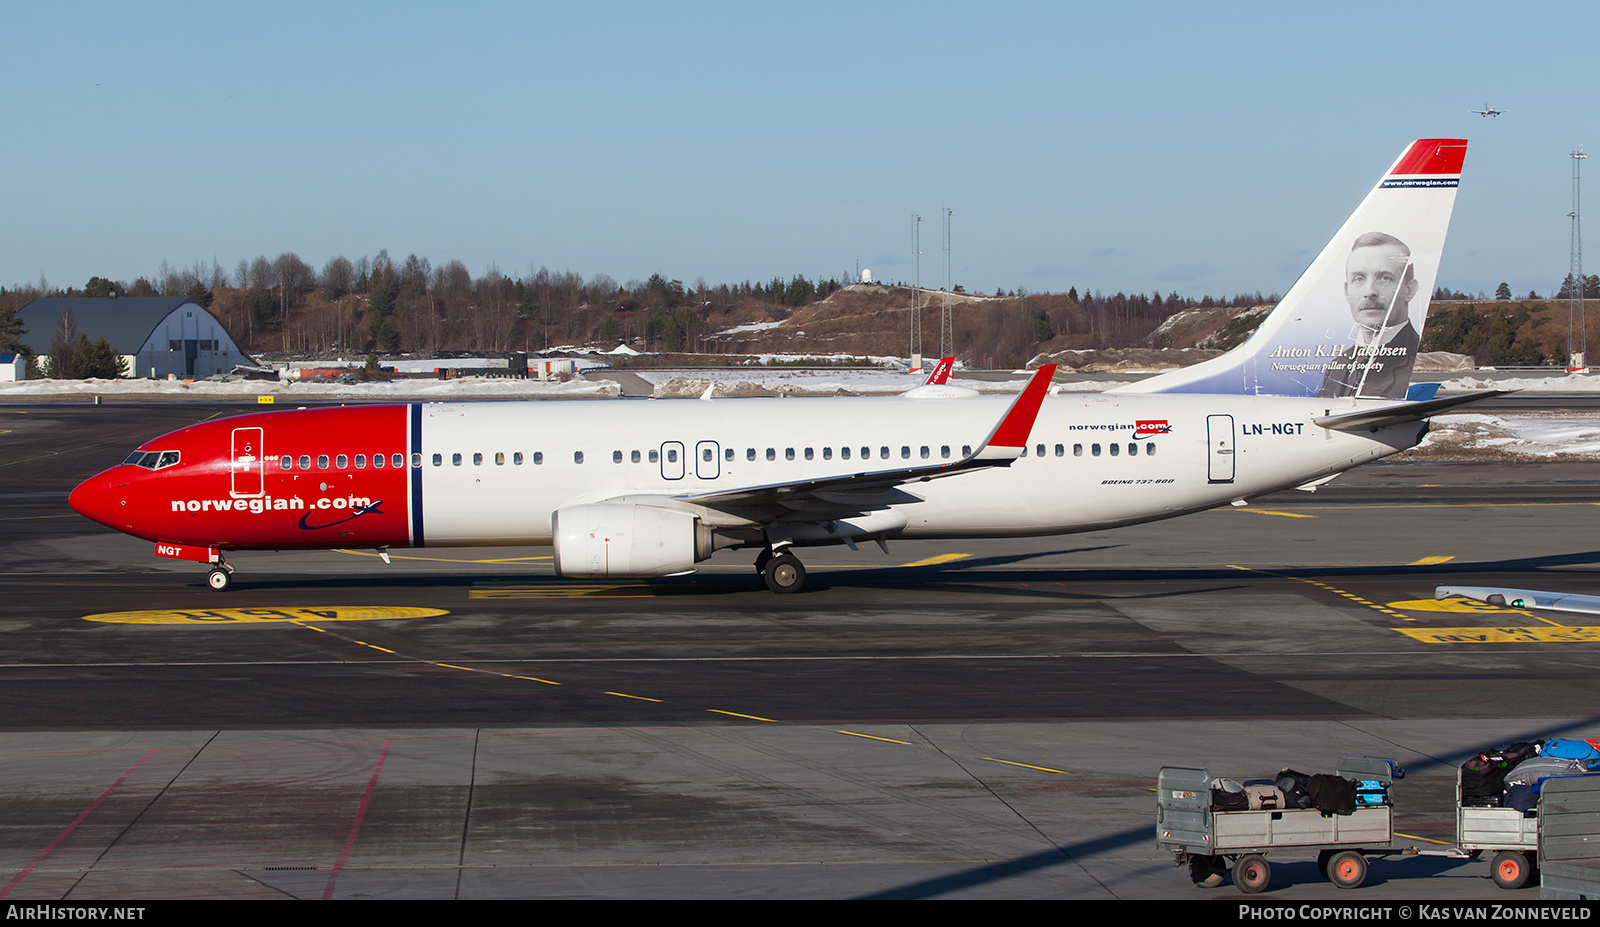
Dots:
(1093, 460)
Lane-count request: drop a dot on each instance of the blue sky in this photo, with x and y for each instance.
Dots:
(1204, 148)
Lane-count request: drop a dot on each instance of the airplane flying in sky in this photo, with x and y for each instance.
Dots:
(1488, 111)
(652, 488)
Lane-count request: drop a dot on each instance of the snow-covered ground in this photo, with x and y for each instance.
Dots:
(1472, 435)
(468, 388)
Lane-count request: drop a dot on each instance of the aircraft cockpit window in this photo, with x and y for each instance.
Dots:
(152, 460)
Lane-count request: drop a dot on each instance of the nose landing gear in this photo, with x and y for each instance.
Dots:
(220, 578)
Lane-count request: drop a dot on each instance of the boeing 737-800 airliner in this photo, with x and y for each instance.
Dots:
(652, 488)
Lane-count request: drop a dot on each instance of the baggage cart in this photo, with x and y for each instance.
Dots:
(1511, 835)
(1204, 838)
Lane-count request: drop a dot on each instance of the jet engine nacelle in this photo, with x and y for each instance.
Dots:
(621, 539)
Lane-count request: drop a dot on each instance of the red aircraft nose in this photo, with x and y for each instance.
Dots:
(92, 499)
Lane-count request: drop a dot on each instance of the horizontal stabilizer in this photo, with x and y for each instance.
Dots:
(1524, 598)
(1384, 416)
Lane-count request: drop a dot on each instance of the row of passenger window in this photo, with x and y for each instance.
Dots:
(343, 461)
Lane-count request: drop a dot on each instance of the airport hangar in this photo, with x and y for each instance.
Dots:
(157, 335)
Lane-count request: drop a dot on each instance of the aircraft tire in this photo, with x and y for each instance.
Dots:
(219, 579)
(784, 573)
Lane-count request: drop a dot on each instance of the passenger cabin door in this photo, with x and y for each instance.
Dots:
(247, 463)
(672, 467)
(1219, 448)
(706, 465)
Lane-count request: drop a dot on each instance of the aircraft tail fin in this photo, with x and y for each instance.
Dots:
(1352, 324)
(941, 372)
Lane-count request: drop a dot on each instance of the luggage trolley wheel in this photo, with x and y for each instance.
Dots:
(1251, 874)
(1511, 869)
(1346, 869)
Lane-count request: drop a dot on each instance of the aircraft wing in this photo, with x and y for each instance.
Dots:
(1524, 598)
(1402, 412)
(876, 488)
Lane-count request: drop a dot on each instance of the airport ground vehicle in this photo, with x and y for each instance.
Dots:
(1203, 837)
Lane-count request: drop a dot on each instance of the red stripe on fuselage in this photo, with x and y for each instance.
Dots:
(198, 501)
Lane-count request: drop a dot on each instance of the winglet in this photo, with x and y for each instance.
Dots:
(1010, 437)
(941, 372)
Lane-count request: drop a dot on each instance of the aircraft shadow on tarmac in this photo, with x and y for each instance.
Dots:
(953, 577)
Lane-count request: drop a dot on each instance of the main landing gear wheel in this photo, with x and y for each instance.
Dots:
(1251, 874)
(219, 579)
(784, 573)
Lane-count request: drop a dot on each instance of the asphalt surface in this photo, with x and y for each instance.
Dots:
(972, 719)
